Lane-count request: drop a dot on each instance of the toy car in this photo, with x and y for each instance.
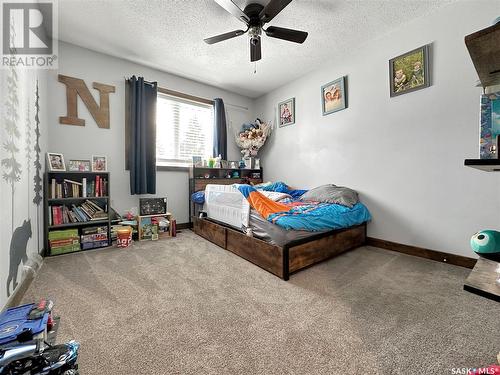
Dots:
(27, 334)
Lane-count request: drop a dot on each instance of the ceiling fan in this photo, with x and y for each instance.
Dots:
(254, 16)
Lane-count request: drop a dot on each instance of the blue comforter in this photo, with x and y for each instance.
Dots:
(309, 216)
(321, 217)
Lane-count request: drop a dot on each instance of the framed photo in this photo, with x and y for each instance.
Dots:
(55, 162)
(334, 96)
(410, 71)
(490, 126)
(197, 162)
(286, 112)
(99, 164)
(79, 165)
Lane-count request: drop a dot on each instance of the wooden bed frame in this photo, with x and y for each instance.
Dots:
(281, 260)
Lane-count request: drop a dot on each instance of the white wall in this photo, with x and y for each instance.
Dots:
(19, 214)
(82, 142)
(405, 154)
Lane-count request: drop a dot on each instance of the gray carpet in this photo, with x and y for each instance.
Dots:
(186, 306)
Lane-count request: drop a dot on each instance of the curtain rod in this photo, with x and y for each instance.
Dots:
(192, 97)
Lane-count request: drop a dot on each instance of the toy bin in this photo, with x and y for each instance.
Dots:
(124, 237)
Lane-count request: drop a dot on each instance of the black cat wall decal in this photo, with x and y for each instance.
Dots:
(18, 252)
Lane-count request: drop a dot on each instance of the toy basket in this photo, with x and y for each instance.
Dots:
(124, 237)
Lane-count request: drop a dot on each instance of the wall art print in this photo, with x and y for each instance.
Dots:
(410, 71)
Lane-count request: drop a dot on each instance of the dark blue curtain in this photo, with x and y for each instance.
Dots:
(220, 132)
(141, 120)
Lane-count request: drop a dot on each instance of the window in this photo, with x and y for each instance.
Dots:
(184, 128)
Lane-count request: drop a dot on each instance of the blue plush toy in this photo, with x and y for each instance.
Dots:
(486, 244)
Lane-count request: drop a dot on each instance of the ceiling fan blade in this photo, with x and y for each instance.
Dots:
(234, 10)
(255, 50)
(221, 37)
(286, 34)
(272, 9)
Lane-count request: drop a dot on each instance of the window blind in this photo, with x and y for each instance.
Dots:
(184, 129)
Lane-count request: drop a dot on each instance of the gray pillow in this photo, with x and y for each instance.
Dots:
(332, 194)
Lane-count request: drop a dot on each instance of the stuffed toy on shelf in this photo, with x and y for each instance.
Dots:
(486, 243)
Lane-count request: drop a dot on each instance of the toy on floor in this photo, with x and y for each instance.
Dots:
(27, 335)
(486, 244)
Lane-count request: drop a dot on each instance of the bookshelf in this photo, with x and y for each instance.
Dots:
(68, 207)
(200, 177)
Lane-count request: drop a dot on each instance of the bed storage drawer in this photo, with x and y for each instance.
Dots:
(323, 248)
(211, 231)
(261, 253)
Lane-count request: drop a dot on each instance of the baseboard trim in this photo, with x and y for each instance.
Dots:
(18, 294)
(439, 256)
(184, 226)
(30, 271)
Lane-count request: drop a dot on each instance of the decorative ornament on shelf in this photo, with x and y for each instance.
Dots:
(252, 136)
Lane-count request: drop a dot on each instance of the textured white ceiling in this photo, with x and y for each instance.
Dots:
(168, 35)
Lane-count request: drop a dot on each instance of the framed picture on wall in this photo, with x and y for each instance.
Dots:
(409, 72)
(79, 165)
(334, 96)
(55, 162)
(99, 164)
(286, 112)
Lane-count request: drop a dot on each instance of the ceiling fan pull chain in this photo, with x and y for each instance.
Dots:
(255, 67)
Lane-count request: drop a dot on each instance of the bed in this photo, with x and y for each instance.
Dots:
(234, 225)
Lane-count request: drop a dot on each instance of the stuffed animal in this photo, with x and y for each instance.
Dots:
(487, 244)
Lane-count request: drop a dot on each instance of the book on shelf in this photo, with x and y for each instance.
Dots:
(66, 188)
(84, 212)
(84, 187)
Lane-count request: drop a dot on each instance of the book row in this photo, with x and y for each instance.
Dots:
(66, 188)
(86, 211)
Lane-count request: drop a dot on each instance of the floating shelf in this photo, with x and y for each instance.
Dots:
(488, 165)
(484, 50)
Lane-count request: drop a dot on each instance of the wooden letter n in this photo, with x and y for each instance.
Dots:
(76, 87)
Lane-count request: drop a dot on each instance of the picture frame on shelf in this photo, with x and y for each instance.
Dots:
(286, 112)
(248, 162)
(410, 71)
(99, 163)
(197, 161)
(82, 165)
(334, 96)
(55, 162)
